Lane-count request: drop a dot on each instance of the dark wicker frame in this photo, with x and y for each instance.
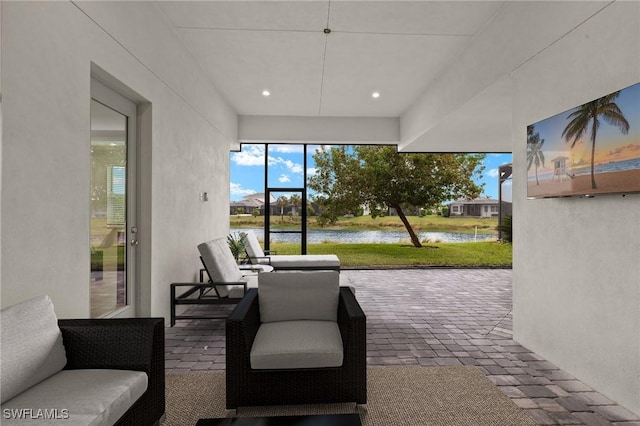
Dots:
(123, 344)
(248, 387)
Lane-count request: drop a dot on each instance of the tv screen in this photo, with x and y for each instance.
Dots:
(588, 150)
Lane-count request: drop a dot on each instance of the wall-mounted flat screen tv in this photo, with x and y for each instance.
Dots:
(588, 150)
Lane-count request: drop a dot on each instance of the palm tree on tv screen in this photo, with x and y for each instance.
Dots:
(534, 150)
(590, 112)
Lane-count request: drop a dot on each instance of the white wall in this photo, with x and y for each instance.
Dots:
(48, 49)
(356, 130)
(576, 276)
(0, 146)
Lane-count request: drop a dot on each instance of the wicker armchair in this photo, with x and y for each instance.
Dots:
(124, 344)
(251, 387)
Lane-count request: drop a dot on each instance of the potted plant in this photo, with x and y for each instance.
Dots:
(236, 245)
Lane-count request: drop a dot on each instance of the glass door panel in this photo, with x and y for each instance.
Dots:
(286, 222)
(285, 175)
(108, 204)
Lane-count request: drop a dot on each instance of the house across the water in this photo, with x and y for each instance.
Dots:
(479, 207)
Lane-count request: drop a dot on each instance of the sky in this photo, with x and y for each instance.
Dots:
(286, 170)
(611, 144)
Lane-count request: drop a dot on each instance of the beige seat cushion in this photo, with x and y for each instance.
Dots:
(236, 291)
(91, 397)
(297, 344)
(302, 261)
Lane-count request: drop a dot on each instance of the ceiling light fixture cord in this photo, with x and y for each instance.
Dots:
(327, 31)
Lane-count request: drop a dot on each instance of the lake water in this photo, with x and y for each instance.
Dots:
(320, 236)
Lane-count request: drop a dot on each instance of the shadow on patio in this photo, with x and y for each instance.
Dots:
(436, 317)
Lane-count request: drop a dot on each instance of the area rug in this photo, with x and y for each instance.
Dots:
(439, 396)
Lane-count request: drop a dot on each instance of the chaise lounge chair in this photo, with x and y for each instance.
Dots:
(226, 283)
(287, 262)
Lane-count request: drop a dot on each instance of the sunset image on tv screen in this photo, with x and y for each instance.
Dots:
(591, 149)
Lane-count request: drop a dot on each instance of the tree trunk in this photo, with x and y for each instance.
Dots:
(414, 238)
(593, 152)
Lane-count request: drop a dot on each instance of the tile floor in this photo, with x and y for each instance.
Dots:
(437, 317)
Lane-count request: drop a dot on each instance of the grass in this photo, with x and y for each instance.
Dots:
(433, 223)
(473, 254)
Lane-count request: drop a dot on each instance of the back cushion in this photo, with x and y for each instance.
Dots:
(32, 348)
(295, 295)
(252, 246)
(221, 265)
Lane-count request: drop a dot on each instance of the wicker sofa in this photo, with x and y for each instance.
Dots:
(283, 373)
(84, 371)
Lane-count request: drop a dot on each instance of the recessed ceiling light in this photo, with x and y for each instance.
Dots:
(375, 95)
(266, 93)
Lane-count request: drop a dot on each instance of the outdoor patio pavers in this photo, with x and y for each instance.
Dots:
(436, 316)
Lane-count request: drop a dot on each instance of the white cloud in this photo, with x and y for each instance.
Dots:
(311, 171)
(288, 164)
(294, 167)
(284, 179)
(236, 190)
(493, 173)
(251, 155)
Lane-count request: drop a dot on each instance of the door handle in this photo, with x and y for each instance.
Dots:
(134, 230)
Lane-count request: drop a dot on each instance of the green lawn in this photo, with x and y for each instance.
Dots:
(474, 254)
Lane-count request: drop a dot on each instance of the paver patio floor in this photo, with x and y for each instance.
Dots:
(437, 317)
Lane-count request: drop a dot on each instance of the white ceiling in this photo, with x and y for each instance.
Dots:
(394, 47)
(442, 67)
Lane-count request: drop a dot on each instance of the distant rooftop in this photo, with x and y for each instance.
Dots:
(480, 200)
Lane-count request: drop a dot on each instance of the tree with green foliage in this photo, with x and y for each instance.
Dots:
(296, 201)
(347, 178)
(534, 150)
(282, 202)
(590, 112)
